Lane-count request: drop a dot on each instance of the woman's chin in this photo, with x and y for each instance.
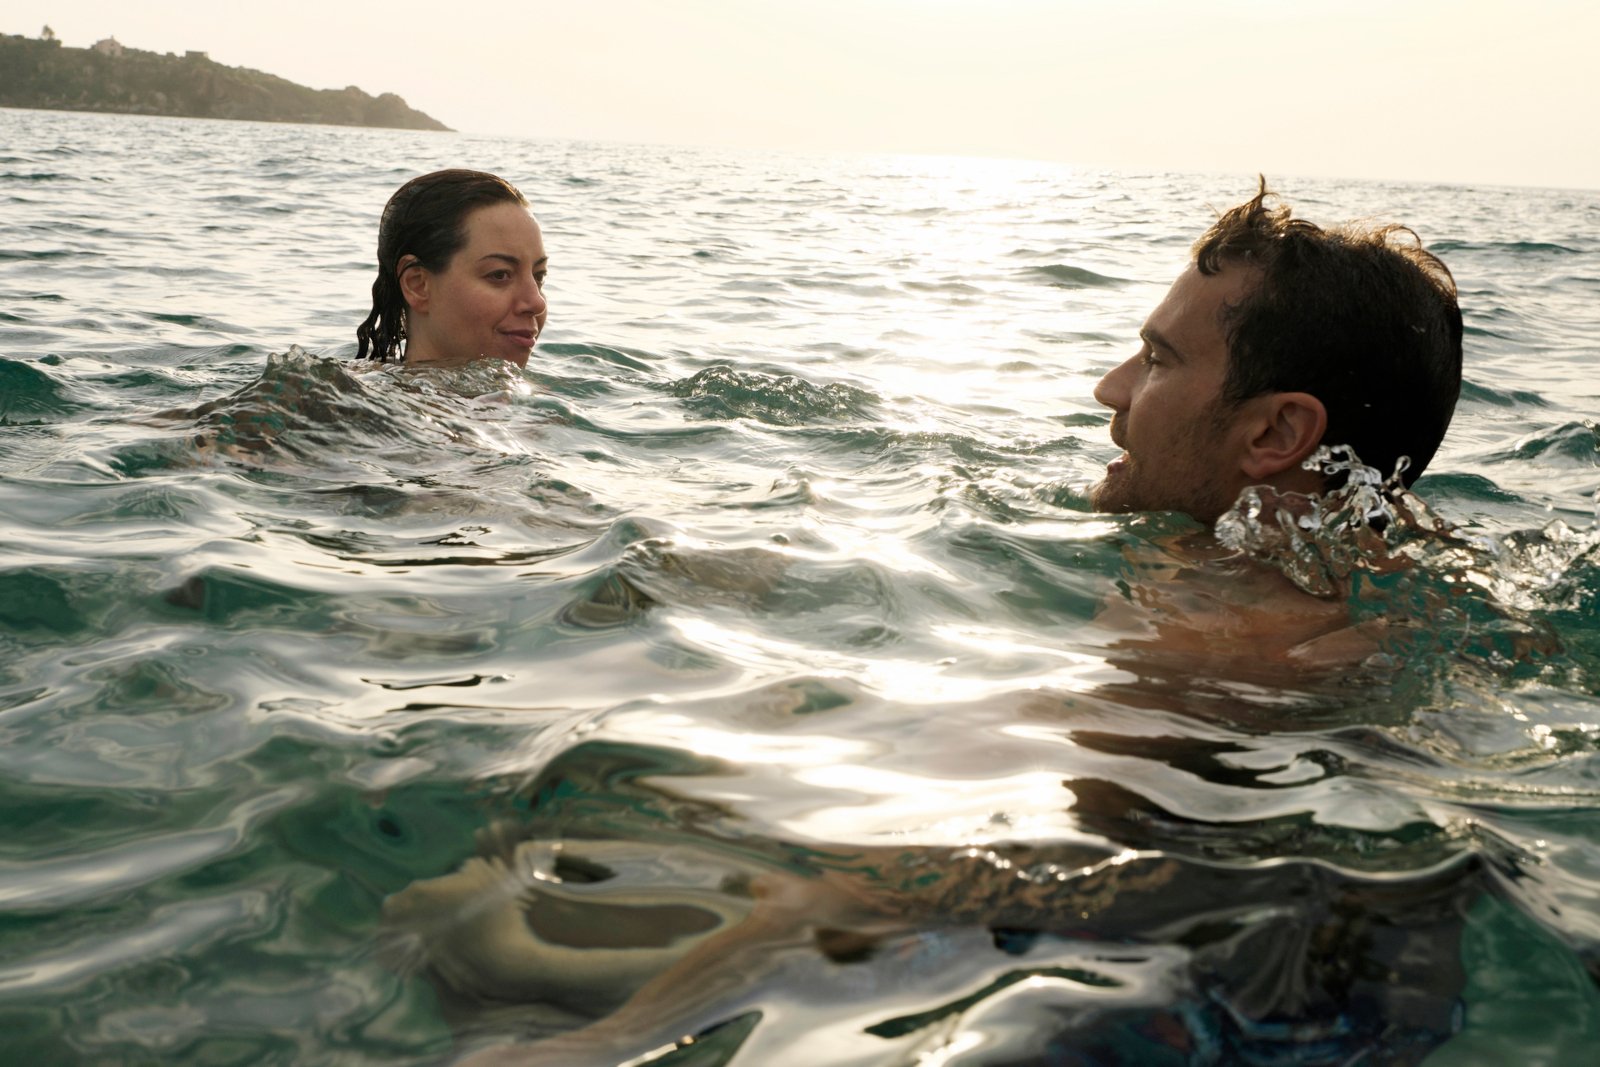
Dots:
(516, 356)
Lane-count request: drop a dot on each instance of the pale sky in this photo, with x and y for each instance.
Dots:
(1478, 91)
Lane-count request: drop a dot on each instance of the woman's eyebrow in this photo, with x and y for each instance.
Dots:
(513, 260)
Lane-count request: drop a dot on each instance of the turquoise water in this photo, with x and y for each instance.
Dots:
(382, 718)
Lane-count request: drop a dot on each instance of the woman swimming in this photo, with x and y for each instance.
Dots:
(461, 269)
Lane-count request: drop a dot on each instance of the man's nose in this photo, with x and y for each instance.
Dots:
(1113, 389)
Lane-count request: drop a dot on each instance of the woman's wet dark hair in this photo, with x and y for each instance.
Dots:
(425, 218)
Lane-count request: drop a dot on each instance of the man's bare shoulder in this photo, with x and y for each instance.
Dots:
(1189, 596)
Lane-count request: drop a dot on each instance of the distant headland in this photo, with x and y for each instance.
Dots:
(41, 73)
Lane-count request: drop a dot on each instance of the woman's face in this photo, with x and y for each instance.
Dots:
(488, 301)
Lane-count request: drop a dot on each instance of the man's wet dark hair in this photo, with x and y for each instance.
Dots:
(426, 217)
(1360, 317)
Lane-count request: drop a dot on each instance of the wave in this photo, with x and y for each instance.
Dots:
(30, 395)
(39, 255)
(776, 399)
(1504, 398)
(1570, 443)
(1066, 276)
(1510, 247)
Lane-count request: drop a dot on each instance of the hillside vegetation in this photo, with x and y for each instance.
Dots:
(44, 74)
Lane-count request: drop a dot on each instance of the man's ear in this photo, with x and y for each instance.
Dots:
(1287, 428)
(414, 279)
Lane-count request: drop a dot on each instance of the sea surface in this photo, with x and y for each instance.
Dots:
(755, 649)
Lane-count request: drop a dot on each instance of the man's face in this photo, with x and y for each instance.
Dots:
(1181, 447)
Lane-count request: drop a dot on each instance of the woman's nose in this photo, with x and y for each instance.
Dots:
(533, 298)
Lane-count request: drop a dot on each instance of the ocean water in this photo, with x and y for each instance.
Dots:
(755, 649)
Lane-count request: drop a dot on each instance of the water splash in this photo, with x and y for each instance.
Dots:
(1369, 524)
(1377, 544)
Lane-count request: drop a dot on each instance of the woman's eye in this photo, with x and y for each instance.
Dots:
(499, 275)
(538, 279)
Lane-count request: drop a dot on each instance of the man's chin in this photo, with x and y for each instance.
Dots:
(1106, 496)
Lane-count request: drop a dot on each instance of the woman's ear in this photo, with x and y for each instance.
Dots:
(1288, 427)
(414, 279)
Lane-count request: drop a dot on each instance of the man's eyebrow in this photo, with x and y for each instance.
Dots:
(1155, 339)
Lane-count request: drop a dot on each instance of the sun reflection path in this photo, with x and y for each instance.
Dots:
(912, 681)
(913, 809)
(740, 747)
(856, 801)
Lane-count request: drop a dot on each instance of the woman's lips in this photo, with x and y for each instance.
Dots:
(525, 338)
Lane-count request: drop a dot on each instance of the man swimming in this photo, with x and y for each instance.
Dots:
(1281, 337)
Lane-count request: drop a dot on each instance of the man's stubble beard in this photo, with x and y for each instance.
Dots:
(1198, 493)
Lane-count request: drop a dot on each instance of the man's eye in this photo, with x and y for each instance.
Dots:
(1149, 359)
